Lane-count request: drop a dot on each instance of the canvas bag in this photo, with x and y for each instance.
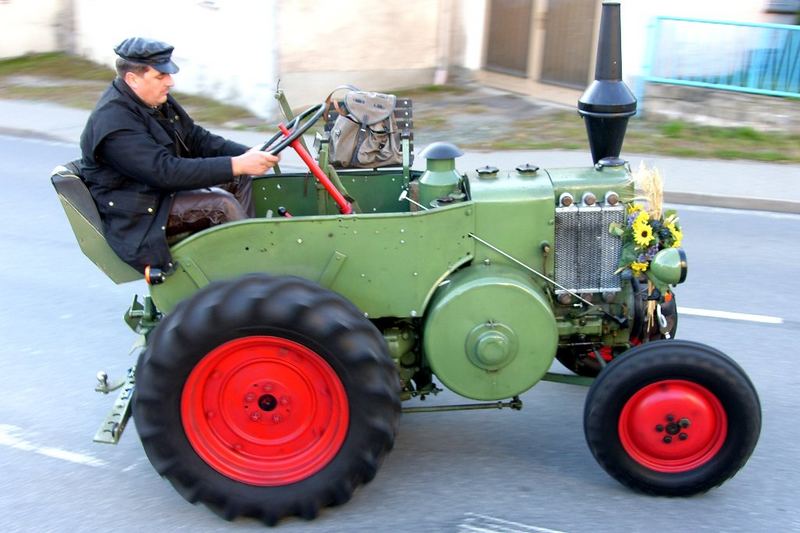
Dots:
(365, 134)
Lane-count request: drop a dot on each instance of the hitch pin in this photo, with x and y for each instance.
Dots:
(104, 386)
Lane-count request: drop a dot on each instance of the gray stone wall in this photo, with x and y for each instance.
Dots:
(721, 108)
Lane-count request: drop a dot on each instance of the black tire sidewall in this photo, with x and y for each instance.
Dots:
(193, 477)
(672, 360)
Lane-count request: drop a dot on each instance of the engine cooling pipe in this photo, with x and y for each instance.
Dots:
(608, 103)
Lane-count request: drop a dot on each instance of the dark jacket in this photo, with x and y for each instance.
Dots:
(135, 158)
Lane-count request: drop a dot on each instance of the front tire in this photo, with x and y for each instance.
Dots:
(266, 397)
(672, 418)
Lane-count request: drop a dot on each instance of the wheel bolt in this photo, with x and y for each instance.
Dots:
(684, 422)
(255, 416)
(670, 418)
(249, 397)
(667, 439)
(683, 436)
(284, 400)
(276, 418)
(659, 428)
(267, 387)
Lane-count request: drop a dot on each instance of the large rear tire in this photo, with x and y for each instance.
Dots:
(266, 397)
(672, 417)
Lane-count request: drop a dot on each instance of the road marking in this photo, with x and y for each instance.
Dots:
(135, 464)
(489, 524)
(746, 317)
(9, 436)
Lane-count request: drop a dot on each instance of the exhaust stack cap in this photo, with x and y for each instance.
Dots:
(608, 103)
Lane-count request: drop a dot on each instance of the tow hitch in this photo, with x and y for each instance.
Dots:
(111, 429)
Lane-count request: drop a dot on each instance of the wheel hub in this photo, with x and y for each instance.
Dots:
(267, 402)
(264, 410)
(673, 426)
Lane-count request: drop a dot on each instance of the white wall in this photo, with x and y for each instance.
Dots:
(28, 26)
(224, 48)
(372, 45)
(472, 20)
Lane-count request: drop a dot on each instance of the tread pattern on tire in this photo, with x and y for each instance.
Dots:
(672, 359)
(289, 307)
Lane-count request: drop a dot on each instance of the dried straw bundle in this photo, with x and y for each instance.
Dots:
(650, 187)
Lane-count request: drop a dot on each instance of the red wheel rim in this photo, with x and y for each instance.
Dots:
(673, 426)
(264, 411)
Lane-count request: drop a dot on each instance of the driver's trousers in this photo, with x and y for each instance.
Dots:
(199, 209)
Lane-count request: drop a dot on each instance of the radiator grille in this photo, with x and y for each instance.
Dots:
(586, 254)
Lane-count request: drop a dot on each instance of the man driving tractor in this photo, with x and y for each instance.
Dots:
(152, 171)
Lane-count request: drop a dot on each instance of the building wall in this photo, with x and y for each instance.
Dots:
(469, 20)
(636, 16)
(240, 50)
(224, 48)
(28, 26)
(372, 45)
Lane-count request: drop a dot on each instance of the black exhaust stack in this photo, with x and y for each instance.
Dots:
(608, 103)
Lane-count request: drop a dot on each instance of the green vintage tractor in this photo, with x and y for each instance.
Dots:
(277, 353)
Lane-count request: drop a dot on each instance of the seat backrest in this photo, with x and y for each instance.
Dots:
(402, 114)
(85, 221)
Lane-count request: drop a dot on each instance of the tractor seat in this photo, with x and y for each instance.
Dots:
(85, 221)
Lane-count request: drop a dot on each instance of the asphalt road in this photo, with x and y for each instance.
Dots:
(473, 471)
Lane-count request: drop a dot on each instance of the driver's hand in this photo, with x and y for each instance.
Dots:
(254, 162)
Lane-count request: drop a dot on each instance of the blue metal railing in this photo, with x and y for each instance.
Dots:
(734, 56)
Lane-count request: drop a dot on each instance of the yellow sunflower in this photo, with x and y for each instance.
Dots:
(638, 267)
(634, 208)
(677, 234)
(642, 231)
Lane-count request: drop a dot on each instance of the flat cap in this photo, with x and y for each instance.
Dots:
(149, 52)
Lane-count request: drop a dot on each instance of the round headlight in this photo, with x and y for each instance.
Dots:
(669, 266)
